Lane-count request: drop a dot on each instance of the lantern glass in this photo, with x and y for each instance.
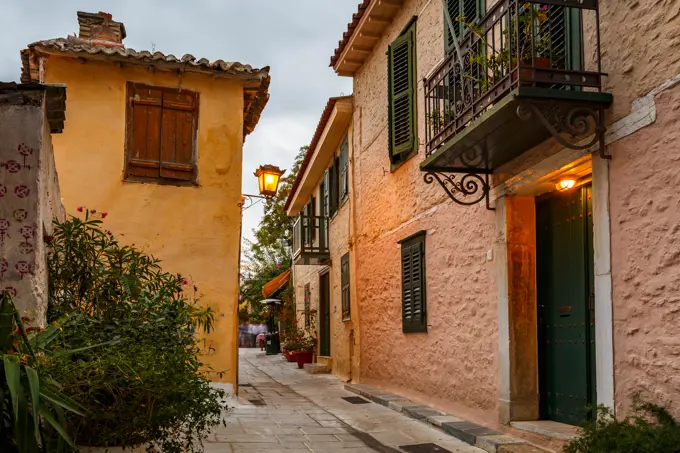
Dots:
(268, 177)
(566, 184)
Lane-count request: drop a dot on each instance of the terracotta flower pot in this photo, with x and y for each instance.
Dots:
(303, 357)
(526, 74)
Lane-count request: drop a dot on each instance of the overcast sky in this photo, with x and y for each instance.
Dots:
(295, 37)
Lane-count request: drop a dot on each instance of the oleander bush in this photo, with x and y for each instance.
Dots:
(150, 387)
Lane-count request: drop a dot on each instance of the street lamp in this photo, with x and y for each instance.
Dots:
(268, 177)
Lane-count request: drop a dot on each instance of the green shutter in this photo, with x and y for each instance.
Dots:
(402, 94)
(344, 281)
(470, 10)
(344, 165)
(325, 194)
(414, 313)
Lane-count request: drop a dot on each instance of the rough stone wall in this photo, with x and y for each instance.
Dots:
(29, 202)
(456, 360)
(645, 232)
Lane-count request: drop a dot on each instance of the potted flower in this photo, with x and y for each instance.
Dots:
(306, 352)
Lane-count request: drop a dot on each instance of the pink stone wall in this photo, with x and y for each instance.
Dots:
(645, 231)
(456, 359)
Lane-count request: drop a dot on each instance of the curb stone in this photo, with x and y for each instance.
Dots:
(476, 435)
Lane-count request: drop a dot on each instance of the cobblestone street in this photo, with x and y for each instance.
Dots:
(283, 409)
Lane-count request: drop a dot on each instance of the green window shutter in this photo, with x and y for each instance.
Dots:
(344, 166)
(414, 312)
(344, 282)
(402, 95)
(308, 296)
(470, 10)
(334, 186)
(312, 218)
(325, 194)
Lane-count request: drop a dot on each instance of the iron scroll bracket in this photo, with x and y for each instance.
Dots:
(568, 123)
(464, 186)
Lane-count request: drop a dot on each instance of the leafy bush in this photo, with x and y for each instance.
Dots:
(150, 387)
(649, 429)
(31, 407)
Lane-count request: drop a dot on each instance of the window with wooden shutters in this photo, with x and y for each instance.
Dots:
(334, 185)
(308, 295)
(344, 283)
(402, 100)
(413, 302)
(161, 133)
(469, 10)
(344, 167)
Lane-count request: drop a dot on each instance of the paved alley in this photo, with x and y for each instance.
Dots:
(283, 409)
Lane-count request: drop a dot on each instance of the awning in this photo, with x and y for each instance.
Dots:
(276, 284)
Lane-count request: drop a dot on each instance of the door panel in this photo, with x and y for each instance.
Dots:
(564, 289)
(324, 316)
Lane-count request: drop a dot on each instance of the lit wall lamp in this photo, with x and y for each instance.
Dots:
(268, 177)
(565, 184)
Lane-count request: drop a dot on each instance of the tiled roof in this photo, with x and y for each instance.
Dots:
(257, 80)
(356, 17)
(325, 116)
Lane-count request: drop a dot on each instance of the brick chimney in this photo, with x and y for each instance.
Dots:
(101, 29)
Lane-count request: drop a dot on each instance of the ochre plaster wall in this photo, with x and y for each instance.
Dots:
(645, 236)
(193, 230)
(455, 362)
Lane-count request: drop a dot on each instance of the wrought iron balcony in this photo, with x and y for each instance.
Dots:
(310, 240)
(524, 72)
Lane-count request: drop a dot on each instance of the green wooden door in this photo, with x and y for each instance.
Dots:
(564, 264)
(324, 316)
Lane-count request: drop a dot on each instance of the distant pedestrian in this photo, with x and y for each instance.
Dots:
(261, 340)
(242, 334)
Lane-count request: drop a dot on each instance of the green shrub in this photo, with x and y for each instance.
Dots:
(649, 429)
(150, 387)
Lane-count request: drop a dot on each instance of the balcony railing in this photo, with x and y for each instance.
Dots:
(553, 45)
(310, 240)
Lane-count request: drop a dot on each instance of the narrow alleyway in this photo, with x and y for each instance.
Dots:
(283, 409)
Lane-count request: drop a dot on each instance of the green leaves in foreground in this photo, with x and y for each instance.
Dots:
(27, 400)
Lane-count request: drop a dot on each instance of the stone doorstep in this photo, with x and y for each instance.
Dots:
(548, 428)
(477, 435)
(316, 368)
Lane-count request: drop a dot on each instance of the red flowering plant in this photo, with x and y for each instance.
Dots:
(303, 338)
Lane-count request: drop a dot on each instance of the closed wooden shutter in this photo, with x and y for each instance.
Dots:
(162, 124)
(308, 295)
(344, 166)
(402, 94)
(413, 284)
(144, 131)
(334, 186)
(470, 10)
(178, 135)
(312, 218)
(344, 281)
(325, 194)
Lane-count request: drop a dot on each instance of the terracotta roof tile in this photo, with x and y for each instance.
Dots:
(356, 17)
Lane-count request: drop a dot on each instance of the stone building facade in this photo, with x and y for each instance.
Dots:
(156, 141)
(492, 286)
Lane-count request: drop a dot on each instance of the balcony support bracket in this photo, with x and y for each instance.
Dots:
(568, 122)
(464, 186)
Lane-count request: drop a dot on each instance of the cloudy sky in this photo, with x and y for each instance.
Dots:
(294, 37)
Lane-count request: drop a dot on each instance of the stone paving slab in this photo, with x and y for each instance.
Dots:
(480, 436)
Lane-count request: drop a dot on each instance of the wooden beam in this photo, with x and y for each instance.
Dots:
(359, 49)
(379, 20)
(369, 35)
(391, 3)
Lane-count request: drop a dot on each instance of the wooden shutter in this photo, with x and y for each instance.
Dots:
(344, 281)
(470, 10)
(413, 284)
(144, 131)
(308, 295)
(312, 218)
(402, 94)
(178, 135)
(333, 189)
(325, 194)
(344, 166)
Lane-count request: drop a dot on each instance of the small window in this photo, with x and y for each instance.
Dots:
(413, 300)
(161, 131)
(403, 142)
(344, 170)
(344, 280)
(308, 295)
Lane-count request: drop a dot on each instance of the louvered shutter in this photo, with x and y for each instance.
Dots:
(178, 135)
(344, 165)
(414, 317)
(312, 218)
(325, 194)
(333, 189)
(470, 10)
(308, 295)
(144, 131)
(402, 99)
(344, 282)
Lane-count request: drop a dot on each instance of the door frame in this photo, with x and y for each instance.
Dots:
(516, 270)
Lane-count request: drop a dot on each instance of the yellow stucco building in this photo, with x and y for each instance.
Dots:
(156, 142)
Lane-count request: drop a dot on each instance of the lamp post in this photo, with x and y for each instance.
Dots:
(268, 177)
